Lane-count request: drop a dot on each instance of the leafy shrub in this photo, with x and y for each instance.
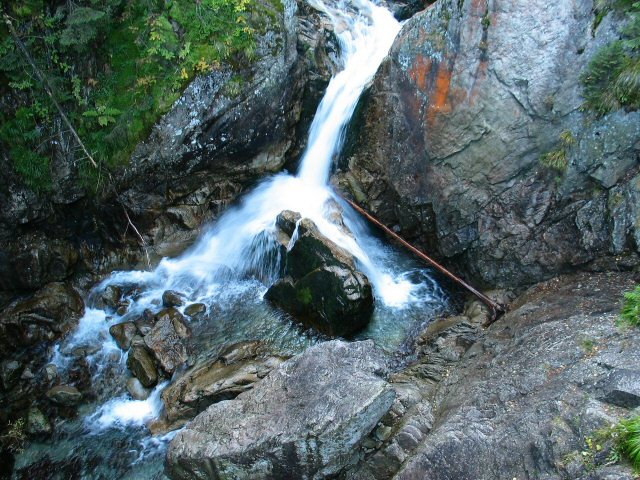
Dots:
(631, 307)
(612, 79)
(115, 66)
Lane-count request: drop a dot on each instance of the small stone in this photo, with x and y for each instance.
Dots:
(137, 341)
(145, 322)
(50, 372)
(195, 310)
(171, 298)
(137, 390)
(165, 340)
(142, 366)
(111, 296)
(287, 220)
(37, 422)
(27, 374)
(123, 333)
(65, 395)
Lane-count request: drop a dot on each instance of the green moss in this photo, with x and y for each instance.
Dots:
(304, 296)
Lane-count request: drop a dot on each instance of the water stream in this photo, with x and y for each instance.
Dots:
(229, 269)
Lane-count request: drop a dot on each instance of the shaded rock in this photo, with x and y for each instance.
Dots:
(137, 390)
(10, 371)
(50, 372)
(141, 364)
(171, 298)
(321, 286)
(303, 420)
(621, 388)
(37, 422)
(40, 318)
(165, 339)
(195, 310)
(233, 372)
(65, 395)
(123, 333)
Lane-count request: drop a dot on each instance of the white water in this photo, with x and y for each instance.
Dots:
(233, 261)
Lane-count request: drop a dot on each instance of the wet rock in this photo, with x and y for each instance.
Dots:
(37, 422)
(123, 333)
(171, 298)
(145, 322)
(137, 390)
(235, 371)
(321, 286)
(111, 296)
(142, 365)
(65, 395)
(40, 318)
(286, 221)
(621, 388)
(303, 420)
(10, 371)
(195, 310)
(165, 339)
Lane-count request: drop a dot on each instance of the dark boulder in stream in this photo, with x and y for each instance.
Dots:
(303, 420)
(321, 286)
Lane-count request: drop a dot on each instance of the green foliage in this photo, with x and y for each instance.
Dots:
(115, 66)
(557, 159)
(612, 79)
(631, 308)
(15, 436)
(628, 434)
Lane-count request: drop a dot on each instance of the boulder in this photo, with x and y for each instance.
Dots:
(171, 298)
(40, 318)
(64, 395)
(10, 371)
(303, 420)
(286, 221)
(321, 286)
(110, 296)
(145, 322)
(235, 371)
(123, 333)
(165, 339)
(142, 365)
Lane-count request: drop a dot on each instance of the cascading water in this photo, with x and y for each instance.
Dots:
(232, 264)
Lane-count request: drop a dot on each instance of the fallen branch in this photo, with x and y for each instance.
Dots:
(46, 86)
(496, 309)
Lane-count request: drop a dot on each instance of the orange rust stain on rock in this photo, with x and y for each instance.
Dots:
(419, 71)
(439, 102)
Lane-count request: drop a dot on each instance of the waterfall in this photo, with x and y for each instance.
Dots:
(231, 265)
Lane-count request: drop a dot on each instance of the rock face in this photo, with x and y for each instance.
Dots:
(235, 371)
(303, 420)
(524, 396)
(447, 144)
(321, 286)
